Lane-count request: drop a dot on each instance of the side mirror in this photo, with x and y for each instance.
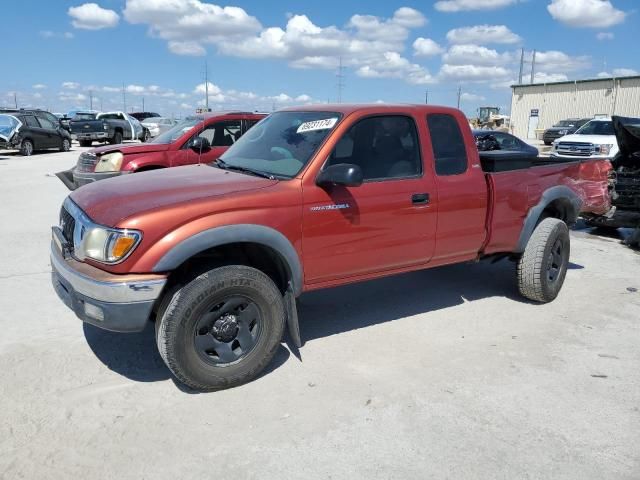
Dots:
(345, 174)
(199, 144)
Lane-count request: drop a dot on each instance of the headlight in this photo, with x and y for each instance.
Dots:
(109, 245)
(604, 149)
(111, 162)
(105, 126)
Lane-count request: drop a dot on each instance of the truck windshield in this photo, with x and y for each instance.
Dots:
(597, 127)
(565, 123)
(176, 132)
(282, 143)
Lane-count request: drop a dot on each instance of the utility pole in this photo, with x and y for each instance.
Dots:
(426, 97)
(90, 99)
(521, 66)
(101, 109)
(533, 66)
(124, 99)
(15, 99)
(143, 104)
(206, 86)
(459, 95)
(340, 76)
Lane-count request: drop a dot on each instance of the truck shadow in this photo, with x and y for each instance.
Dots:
(332, 311)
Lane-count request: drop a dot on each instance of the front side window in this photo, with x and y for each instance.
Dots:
(45, 123)
(507, 142)
(31, 121)
(282, 143)
(177, 131)
(449, 152)
(222, 134)
(384, 147)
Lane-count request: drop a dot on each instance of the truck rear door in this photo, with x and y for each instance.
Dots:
(461, 185)
(387, 223)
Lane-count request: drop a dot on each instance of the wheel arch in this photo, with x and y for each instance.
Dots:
(556, 202)
(254, 245)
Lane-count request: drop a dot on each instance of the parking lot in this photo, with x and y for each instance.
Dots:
(445, 373)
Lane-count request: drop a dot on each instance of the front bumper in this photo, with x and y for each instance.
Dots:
(119, 303)
(74, 179)
(90, 135)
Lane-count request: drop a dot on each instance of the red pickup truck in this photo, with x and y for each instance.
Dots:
(311, 197)
(197, 139)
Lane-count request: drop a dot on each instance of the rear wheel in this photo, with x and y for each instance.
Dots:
(66, 145)
(117, 138)
(222, 328)
(85, 143)
(26, 148)
(543, 265)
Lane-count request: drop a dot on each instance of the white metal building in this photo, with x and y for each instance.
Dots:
(538, 106)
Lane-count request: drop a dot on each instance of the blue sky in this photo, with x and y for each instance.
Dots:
(262, 55)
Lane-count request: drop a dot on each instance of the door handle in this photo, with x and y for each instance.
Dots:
(420, 198)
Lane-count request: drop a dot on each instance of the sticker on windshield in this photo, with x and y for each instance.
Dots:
(325, 124)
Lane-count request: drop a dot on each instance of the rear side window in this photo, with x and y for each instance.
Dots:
(448, 145)
(31, 121)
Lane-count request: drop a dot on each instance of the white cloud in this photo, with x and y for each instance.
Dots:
(474, 73)
(464, 5)
(425, 47)
(51, 34)
(483, 35)
(619, 72)
(471, 97)
(393, 65)
(543, 77)
(187, 48)
(201, 89)
(70, 85)
(586, 13)
(605, 36)
(554, 60)
(46, 33)
(39, 86)
(476, 55)
(68, 35)
(91, 16)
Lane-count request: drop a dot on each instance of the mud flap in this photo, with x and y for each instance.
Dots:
(67, 178)
(292, 316)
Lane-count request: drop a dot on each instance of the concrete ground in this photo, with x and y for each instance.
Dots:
(445, 373)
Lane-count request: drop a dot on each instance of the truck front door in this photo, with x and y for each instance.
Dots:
(220, 135)
(387, 223)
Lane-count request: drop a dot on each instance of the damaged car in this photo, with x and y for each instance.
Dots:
(28, 133)
(624, 180)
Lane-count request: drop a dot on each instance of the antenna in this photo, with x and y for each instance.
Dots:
(521, 66)
(206, 86)
(459, 95)
(143, 104)
(340, 76)
(533, 66)
(90, 99)
(15, 99)
(124, 99)
(426, 97)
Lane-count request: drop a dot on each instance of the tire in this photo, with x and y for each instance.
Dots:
(66, 145)
(26, 148)
(85, 143)
(117, 139)
(196, 336)
(145, 136)
(542, 267)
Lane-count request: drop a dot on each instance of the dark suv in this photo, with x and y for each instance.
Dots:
(32, 130)
(562, 128)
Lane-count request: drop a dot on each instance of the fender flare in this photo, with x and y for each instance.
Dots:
(242, 233)
(559, 192)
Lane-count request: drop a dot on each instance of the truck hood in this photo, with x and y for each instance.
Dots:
(628, 135)
(602, 139)
(130, 148)
(108, 202)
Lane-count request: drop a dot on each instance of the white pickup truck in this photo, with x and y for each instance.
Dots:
(595, 139)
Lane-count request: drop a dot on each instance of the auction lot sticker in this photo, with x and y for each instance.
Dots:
(325, 124)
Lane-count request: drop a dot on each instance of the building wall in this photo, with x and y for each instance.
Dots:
(554, 102)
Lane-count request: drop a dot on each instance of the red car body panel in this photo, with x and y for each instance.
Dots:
(381, 233)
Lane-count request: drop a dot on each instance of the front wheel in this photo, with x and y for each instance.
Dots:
(222, 328)
(145, 135)
(543, 265)
(117, 139)
(66, 145)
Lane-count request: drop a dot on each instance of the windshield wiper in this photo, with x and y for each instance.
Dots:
(225, 166)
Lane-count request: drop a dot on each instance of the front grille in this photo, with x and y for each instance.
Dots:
(576, 149)
(86, 162)
(68, 225)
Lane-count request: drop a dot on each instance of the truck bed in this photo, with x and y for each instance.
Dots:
(517, 183)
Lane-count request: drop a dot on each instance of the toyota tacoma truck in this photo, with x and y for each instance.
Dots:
(311, 197)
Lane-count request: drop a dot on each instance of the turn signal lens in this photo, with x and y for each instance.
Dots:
(122, 246)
